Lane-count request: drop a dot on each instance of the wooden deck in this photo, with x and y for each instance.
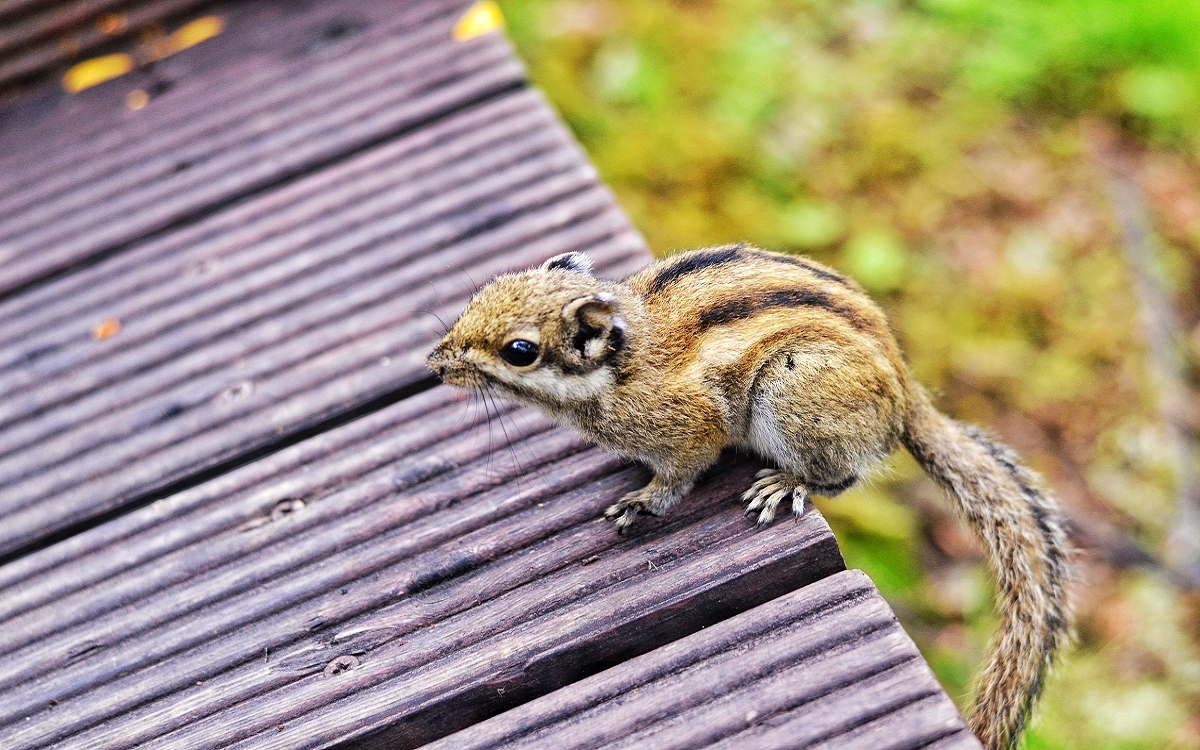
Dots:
(237, 511)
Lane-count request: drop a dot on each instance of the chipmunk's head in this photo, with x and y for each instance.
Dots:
(550, 336)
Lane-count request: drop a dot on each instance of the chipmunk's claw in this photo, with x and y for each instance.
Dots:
(626, 510)
(771, 488)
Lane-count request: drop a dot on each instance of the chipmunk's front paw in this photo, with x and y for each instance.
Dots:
(771, 488)
(626, 510)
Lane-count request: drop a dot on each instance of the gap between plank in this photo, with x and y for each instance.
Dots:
(203, 212)
(225, 466)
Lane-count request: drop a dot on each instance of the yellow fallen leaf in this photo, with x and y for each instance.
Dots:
(93, 72)
(200, 30)
(188, 35)
(483, 17)
(107, 329)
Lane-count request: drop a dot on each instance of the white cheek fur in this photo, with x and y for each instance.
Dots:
(558, 387)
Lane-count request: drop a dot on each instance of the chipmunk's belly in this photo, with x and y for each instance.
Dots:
(822, 462)
(813, 422)
(765, 437)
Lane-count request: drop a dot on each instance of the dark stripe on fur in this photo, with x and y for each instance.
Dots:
(731, 311)
(552, 359)
(693, 262)
(614, 354)
(616, 340)
(576, 262)
(720, 256)
(812, 268)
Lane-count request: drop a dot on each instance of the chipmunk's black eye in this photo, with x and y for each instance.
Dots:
(519, 352)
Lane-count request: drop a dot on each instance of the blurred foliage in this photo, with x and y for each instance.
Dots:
(1136, 60)
(949, 155)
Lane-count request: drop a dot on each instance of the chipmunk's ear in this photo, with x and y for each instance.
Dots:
(594, 327)
(577, 262)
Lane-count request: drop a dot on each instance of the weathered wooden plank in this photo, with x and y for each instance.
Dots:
(188, 548)
(48, 37)
(108, 420)
(215, 589)
(625, 701)
(421, 76)
(670, 591)
(291, 265)
(12, 7)
(826, 665)
(296, 317)
(229, 156)
(248, 236)
(931, 722)
(954, 741)
(265, 47)
(342, 374)
(309, 469)
(263, 38)
(209, 565)
(128, 214)
(50, 18)
(135, 137)
(443, 536)
(841, 711)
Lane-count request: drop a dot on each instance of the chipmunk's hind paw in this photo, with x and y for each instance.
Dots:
(771, 488)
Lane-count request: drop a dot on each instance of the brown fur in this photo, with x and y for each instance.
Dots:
(733, 346)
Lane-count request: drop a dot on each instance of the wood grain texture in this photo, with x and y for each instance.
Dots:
(261, 42)
(37, 38)
(827, 666)
(258, 324)
(463, 582)
(394, 83)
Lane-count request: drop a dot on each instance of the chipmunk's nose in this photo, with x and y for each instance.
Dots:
(436, 361)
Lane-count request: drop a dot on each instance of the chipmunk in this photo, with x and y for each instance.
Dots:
(785, 358)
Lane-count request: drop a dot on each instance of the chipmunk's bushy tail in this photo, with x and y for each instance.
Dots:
(1023, 534)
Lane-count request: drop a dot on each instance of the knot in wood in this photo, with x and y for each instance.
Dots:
(341, 664)
(237, 391)
(285, 508)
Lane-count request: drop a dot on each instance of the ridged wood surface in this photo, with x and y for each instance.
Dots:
(39, 37)
(59, 209)
(272, 316)
(464, 576)
(790, 673)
